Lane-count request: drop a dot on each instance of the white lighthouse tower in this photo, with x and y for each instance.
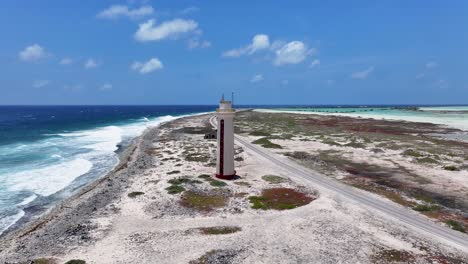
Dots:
(225, 157)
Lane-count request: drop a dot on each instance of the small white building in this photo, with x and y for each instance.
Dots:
(225, 155)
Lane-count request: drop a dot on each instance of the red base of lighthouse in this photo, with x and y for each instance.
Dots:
(226, 177)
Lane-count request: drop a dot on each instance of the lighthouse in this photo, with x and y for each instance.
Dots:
(225, 155)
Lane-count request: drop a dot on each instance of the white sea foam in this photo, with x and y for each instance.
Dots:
(28, 200)
(48, 180)
(104, 139)
(79, 153)
(10, 220)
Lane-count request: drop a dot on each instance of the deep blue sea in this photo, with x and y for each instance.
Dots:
(49, 152)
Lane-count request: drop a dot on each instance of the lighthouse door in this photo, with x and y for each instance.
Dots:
(221, 148)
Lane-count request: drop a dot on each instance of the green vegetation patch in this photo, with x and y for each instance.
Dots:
(393, 255)
(216, 183)
(44, 261)
(426, 208)
(173, 172)
(195, 130)
(203, 201)
(423, 197)
(196, 157)
(212, 181)
(266, 143)
(174, 189)
(239, 158)
(451, 168)
(455, 225)
(280, 199)
(274, 179)
(135, 194)
(259, 133)
(76, 261)
(183, 180)
(427, 160)
(412, 153)
(220, 230)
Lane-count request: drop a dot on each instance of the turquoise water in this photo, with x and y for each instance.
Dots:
(451, 116)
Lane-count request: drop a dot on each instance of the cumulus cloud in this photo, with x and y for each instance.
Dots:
(314, 63)
(66, 61)
(90, 64)
(40, 83)
(431, 65)
(259, 42)
(147, 67)
(33, 53)
(148, 31)
(256, 78)
(195, 43)
(362, 74)
(293, 52)
(106, 87)
(117, 11)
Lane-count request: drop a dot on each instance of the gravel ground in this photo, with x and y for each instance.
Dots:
(129, 216)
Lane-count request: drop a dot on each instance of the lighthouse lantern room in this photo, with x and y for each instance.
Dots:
(225, 155)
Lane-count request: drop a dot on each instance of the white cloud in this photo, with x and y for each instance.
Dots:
(195, 43)
(431, 65)
(189, 10)
(362, 74)
(148, 31)
(90, 64)
(256, 78)
(259, 42)
(293, 52)
(314, 63)
(33, 53)
(66, 61)
(117, 11)
(106, 87)
(147, 67)
(40, 83)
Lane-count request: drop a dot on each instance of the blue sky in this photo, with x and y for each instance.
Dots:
(267, 52)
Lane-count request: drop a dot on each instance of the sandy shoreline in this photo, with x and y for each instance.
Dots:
(129, 216)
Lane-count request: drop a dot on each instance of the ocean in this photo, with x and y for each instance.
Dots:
(47, 153)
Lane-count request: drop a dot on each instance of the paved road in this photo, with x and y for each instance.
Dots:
(408, 217)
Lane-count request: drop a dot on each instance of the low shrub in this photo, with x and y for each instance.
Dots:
(135, 194)
(280, 199)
